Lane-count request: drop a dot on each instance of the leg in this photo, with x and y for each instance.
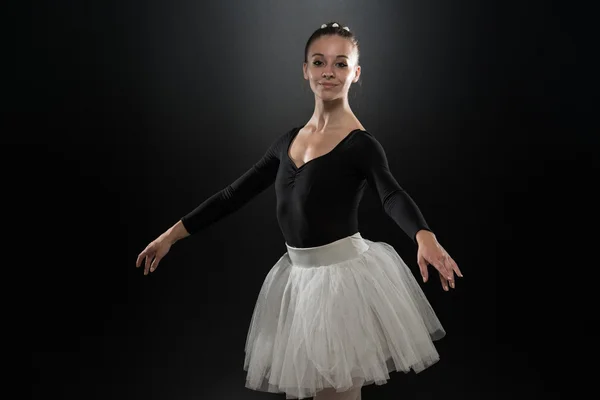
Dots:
(350, 394)
(331, 394)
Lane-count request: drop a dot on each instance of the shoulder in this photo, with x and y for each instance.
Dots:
(285, 137)
(280, 143)
(363, 140)
(366, 151)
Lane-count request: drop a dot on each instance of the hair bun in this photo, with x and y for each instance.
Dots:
(335, 25)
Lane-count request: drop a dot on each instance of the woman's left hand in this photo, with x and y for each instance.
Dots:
(432, 253)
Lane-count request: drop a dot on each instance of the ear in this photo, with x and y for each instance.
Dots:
(356, 74)
(304, 70)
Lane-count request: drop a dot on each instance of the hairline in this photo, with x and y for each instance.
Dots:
(339, 55)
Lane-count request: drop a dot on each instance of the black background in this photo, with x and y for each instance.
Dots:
(126, 115)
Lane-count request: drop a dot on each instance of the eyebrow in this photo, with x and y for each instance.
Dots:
(319, 54)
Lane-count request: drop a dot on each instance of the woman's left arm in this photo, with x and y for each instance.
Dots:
(404, 211)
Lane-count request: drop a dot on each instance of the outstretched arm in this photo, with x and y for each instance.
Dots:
(254, 181)
(403, 210)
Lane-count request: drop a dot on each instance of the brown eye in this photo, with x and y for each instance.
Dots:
(315, 62)
(342, 65)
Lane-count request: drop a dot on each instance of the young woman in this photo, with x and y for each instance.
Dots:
(336, 311)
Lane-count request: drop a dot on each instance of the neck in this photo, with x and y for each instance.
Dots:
(331, 114)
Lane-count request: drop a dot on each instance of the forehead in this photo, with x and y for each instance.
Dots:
(331, 46)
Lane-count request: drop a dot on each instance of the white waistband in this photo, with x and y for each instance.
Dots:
(331, 253)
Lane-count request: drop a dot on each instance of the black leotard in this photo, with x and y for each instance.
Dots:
(317, 203)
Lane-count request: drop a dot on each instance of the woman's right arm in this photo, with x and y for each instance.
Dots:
(226, 201)
(234, 196)
(254, 181)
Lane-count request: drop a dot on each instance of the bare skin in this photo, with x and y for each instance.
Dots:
(331, 68)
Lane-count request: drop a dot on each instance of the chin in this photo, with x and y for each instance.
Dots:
(330, 96)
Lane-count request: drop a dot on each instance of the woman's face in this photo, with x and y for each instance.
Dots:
(331, 67)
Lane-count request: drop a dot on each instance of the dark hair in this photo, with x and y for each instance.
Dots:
(329, 29)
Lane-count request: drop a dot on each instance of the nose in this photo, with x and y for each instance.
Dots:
(327, 74)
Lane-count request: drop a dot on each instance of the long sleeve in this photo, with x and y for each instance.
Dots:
(373, 164)
(254, 181)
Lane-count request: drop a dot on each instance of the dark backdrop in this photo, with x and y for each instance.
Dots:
(129, 114)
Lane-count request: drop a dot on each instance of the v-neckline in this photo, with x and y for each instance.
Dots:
(316, 158)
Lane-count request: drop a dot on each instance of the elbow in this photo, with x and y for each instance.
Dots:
(389, 198)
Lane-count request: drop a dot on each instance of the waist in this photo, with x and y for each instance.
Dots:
(331, 253)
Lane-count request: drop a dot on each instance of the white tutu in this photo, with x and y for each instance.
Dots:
(329, 314)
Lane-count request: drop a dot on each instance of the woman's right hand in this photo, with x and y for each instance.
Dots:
(153, 253)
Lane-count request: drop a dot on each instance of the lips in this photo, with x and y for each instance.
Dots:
(327, 85)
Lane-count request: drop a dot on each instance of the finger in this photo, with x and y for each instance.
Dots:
(444, 282)
(147, 266)
(423, 268)
(138, 262)
(451, 277)
(154, 264)
(448, 272)
(440, 265)
(455, 268)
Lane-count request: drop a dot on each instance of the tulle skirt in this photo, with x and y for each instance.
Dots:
(330, 315)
